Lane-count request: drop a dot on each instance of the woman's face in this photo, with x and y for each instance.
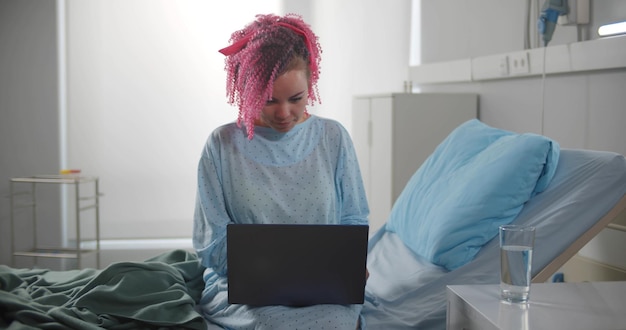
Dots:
(286, 108)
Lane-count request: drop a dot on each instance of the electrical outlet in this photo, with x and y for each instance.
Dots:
(519, 63)
(504, 66)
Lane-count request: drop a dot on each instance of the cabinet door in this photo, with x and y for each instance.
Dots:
(371, 133)
(361, 126)
(393, 134)
(380, 160)
(420, 123)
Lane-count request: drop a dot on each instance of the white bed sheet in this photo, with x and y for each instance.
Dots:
(405, 291)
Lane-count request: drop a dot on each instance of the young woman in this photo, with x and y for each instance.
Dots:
(276, 164)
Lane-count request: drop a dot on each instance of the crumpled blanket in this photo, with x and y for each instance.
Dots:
(160, 292)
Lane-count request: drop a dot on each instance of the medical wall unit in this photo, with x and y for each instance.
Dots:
(393, 135)
(23, 196)
(585, 56)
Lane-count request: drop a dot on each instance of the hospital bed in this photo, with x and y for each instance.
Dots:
(574, 195)
(586, 192)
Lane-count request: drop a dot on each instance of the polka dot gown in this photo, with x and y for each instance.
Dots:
(308, 175)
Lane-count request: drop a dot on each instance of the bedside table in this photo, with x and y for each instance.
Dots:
(584, 306)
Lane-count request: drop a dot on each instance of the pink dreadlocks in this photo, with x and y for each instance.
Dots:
(261, 52)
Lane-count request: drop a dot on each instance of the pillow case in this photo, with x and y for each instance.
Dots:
(477, 179)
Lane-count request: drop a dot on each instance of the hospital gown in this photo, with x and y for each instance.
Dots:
(309, 175)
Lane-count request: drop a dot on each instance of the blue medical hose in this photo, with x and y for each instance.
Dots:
(551, 11)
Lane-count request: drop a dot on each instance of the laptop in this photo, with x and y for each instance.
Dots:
(296, 265)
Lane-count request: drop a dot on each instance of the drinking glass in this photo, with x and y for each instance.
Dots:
(516, 255)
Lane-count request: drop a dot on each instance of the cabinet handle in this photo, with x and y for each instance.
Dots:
(370, 133)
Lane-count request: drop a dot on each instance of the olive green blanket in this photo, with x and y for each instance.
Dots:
(159, 293)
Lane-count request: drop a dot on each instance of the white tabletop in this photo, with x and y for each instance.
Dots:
(589, 305)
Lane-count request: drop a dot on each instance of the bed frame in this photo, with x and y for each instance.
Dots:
(604, 222)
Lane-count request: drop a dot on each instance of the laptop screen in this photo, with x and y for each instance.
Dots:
(296, 265)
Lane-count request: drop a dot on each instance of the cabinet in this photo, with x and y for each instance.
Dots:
(23, 195)
(393, 135)
(571, 306)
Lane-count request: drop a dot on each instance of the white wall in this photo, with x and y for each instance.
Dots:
(582, 110)
(28, 114)
(366, 50)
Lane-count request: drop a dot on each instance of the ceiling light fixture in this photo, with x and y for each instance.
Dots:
(612, 29)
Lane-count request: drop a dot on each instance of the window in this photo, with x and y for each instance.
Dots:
(145, 87)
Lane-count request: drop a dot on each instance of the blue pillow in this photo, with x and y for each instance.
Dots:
(477, 179)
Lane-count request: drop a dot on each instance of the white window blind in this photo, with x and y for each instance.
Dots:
(145, 87)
